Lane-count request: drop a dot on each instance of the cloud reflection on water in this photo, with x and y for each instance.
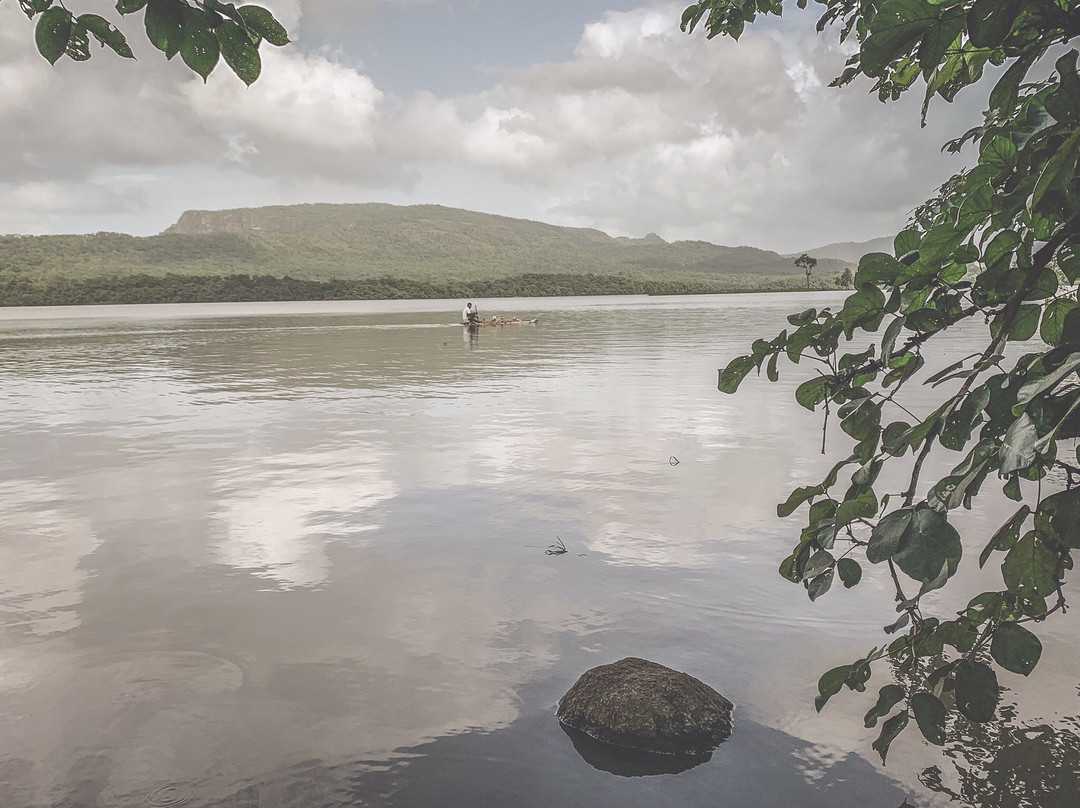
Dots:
(268, 558)
(276, 514)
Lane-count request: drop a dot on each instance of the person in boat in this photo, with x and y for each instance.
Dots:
(470, 314)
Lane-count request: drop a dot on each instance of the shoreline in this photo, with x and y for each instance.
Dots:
(145, 289)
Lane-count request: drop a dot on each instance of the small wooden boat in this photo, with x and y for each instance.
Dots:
(492, 321)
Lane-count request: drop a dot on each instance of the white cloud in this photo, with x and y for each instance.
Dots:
(305, 100)
(641, 128)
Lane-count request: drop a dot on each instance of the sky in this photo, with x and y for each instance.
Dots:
(588, 113)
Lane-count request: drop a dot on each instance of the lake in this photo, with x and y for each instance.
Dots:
(296, 555)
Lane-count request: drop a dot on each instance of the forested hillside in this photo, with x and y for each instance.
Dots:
(367, 247)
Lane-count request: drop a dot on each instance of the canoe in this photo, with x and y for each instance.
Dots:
(499, 321)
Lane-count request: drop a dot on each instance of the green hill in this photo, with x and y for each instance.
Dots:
(413, 249)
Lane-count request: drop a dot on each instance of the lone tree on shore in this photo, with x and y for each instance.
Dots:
(806, 264)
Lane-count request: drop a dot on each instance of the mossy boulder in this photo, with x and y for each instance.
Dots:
(638, 704)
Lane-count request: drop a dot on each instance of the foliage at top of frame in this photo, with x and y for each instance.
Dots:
(201, 31)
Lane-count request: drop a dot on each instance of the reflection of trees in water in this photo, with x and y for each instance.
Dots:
(1008, 764)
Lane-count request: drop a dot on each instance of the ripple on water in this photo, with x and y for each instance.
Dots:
(166, 796)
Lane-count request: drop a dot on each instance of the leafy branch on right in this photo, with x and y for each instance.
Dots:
(998, 247)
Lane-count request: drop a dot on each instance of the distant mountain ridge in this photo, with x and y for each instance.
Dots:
(849, 251)
(386, 249)
(421, 238)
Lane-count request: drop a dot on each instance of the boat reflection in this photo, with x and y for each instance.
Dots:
(470, 334)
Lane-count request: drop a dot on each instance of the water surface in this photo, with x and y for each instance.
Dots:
(294, 555)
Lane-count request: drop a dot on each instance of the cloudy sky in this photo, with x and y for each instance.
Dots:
(596, 113)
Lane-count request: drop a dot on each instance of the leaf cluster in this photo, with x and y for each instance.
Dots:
(201, 31)
(946, 44)
(997, 245)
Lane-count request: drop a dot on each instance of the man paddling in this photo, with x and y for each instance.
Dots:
(470, 315)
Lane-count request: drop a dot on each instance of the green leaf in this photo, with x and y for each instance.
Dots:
(820, 585)
(199, 48)
(898, 25)
(999, 153)
(830, 683)
(1006, 536)
(894, 438)
(34, 7)
(789, 568)
(961, 634)
(877, 268)
(771, 371)
(1053, 320)
(907, 242)
(888, 697)
(239, 51)
(887, 537)
(976, 691)
(164, 23)
(106, 33)
(731, 376)
(975, 210)
(850, 572)
(939, 243)
(1031, 567)
(1003, 97)
(797, 498)
(1058, 518)
(889, 730)
(929, 544)
(930, 715)
(260, 21)
(1070, 330)
(1015, 648)
(983, 607)
(129, 6)
(1012, 490)
(52, 32)
(924, 320)
(1018, 445)
(864, 422)
(812, 392)
(1026, 323)
(1064, 103)
(78, 46)
(888, 341)
(862, 506)
(903, 620)
(990, 21)
(1041, 384)
(1045, 286)
(1000, 247)
(939, 39)
(1058, 170)
(818, 563)
(868, 299)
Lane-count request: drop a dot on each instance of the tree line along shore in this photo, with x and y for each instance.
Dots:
(22, 289)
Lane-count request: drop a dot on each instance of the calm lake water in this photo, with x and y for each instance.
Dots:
(294, 555)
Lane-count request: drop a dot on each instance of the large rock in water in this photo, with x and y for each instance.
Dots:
(639, 704)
